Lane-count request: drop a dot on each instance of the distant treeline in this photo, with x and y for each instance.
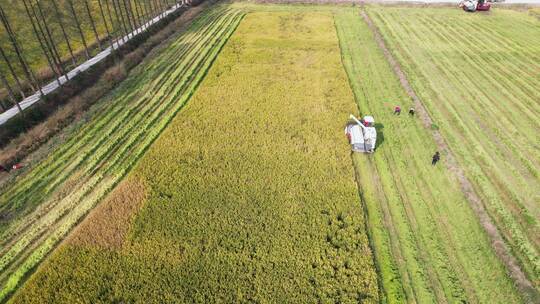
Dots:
(41, 40)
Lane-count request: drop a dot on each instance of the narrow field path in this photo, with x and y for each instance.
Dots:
(496, 239)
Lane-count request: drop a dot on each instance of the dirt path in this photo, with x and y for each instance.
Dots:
(531, 295)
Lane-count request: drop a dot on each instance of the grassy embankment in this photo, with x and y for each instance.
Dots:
(479, 77)
(42, 206)
(428, 243)
(250, 193)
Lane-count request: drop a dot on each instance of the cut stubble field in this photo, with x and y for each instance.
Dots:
(481, 88)
(428, 243)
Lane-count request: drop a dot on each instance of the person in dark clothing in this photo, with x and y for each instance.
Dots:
(436, 158)
(3, 169)
(411, 111)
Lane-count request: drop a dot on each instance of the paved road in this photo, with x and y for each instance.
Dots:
(30, 100)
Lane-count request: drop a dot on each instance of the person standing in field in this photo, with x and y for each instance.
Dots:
(436, 158)
(397, 110)
(411, 111)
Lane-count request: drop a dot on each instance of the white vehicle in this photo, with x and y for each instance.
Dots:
(362, 134)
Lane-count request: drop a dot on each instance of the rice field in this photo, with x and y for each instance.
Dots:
(40, 208)
(251, 194)
(219, 172)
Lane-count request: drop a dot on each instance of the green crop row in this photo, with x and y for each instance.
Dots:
(428, 243)
(54, 196)
(481, 88)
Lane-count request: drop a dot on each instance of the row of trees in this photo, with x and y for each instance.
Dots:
(42, 39)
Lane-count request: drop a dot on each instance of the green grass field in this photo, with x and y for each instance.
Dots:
(243, 188)
(481, 86)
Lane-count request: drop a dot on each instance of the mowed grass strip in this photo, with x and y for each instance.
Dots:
(428, 243)
(250, 190)
(482, 90)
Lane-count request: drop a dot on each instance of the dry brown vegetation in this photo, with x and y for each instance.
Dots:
(108, 224)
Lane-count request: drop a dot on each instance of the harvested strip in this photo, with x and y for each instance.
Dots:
(496, 240)
(80, 182)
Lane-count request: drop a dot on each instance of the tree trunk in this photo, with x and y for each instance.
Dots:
(54, 52)
(109, 36)
(61, 23)
(113, 28)
(147, 16)
(119, 13)
(155, 8)
(93, 24)
(128, 17)
(27, 71)
(13, 74)
(74, 14)
(11, 95)
(39, 34)
(138, 14)
(133, 15)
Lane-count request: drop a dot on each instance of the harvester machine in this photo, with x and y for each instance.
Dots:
(474, 5)
(362, 134)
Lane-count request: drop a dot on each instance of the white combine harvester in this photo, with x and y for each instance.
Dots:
(362, 134)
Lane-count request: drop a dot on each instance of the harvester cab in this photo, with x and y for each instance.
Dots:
(362, 134)
(474, 5)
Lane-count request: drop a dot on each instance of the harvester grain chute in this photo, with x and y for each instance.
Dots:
(475, 5)
(362, 134)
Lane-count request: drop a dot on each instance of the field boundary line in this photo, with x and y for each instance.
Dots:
(498, 244)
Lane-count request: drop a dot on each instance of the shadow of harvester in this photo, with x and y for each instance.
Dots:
(380, 135)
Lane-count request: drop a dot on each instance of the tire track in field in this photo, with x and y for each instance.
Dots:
(497, 242)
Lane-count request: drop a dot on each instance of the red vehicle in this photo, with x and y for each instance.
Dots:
(483, 6)
(473, 5)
